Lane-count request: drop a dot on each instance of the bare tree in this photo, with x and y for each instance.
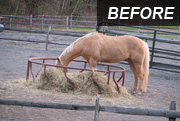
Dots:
(75, 7)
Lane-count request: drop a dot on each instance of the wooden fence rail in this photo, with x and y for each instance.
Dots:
(65, 33)
(171, 113)
(67, 21)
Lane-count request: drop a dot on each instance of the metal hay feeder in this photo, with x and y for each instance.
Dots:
(108, 71)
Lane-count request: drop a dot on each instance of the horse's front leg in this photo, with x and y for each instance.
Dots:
(65, 64)
(65, 70)
(93, 65)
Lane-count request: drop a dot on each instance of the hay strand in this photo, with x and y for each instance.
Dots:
(83, 83)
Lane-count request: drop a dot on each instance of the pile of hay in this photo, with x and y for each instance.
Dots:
(83, 83)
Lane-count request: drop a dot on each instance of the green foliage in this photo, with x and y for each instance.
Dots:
(11, 6)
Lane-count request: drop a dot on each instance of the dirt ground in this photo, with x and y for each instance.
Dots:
(163, 87)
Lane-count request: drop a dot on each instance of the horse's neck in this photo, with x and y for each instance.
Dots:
(74, 50)
(68, 55)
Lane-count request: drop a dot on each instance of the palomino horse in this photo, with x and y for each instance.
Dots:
(97, 47)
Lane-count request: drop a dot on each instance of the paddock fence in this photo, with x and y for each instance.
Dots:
(172, 114)
(43, 21)
(67, 22)
(161, 58)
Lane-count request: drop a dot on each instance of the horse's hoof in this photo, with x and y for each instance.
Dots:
(134, 92)
(145, 90)
(140, 93)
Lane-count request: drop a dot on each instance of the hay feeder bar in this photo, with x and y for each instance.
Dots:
(108, 71)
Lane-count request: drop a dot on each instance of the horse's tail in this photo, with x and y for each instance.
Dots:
(146, 67)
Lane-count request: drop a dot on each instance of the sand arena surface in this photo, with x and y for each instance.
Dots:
(163, 86)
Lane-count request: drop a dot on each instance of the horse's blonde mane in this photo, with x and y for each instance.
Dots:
(71, 46)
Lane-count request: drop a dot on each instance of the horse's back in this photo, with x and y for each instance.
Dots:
(110, 49)
(136, 47)
(124, 47)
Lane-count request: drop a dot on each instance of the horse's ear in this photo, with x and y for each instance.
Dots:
(58, 59)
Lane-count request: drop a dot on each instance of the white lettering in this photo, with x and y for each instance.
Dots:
(145, 13)
(122, 12)
(114, 13)
(133, 12)
(157, 13)
(166, 13)
(142, 11)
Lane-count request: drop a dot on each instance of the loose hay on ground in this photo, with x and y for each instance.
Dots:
(83, 83)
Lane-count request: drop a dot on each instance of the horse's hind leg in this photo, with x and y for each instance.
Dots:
(131, 64)
(139, 70)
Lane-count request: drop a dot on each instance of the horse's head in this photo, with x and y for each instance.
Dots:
(58, 62)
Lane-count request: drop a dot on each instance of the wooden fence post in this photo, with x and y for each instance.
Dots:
(42, 22)
(172, 107)
(47, 38)
(71, 22)
(96, 115)
(10, 20)
(67, 22)
(153, 46)
(179, 32)
(30, 21)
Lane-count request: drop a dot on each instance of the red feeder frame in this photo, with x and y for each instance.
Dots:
(107, 72)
